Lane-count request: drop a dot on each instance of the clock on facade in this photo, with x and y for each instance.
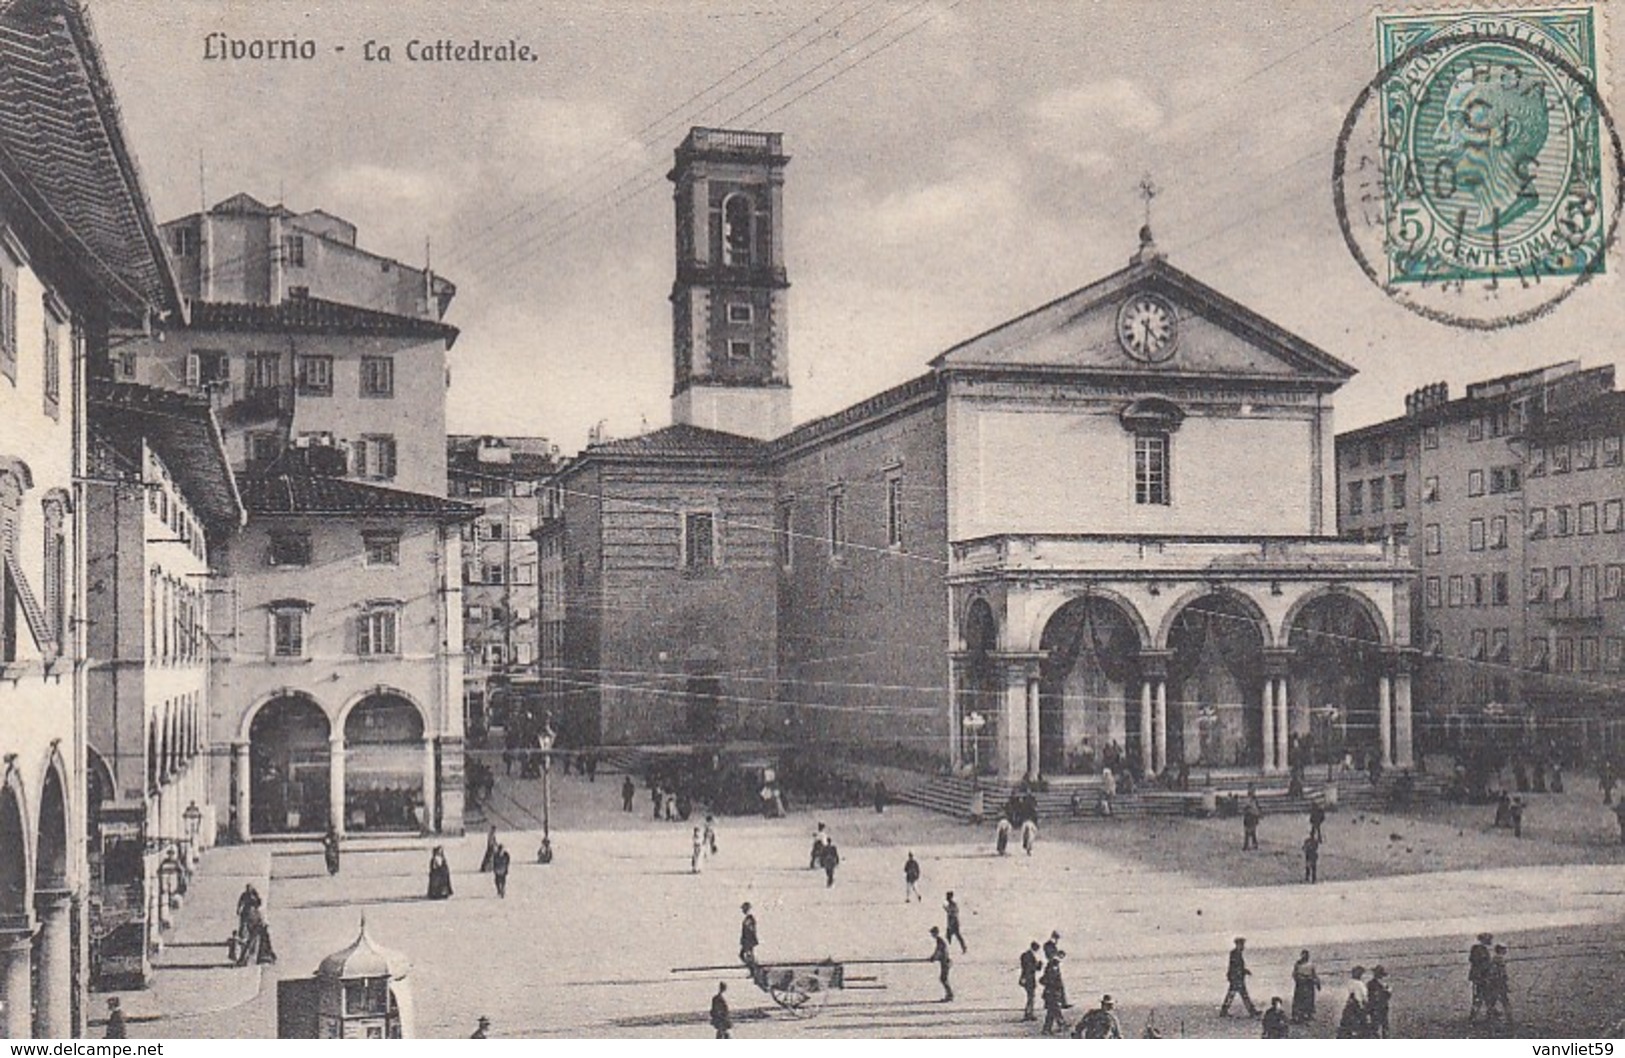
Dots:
(1147, 328)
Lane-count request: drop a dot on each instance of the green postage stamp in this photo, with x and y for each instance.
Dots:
(1491, 145)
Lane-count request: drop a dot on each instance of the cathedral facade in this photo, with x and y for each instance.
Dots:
(1102, 531)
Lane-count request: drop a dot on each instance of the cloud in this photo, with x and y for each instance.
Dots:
(540, 141)
(1088, 125)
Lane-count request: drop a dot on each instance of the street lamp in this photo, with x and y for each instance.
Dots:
(169, 879)
(973, 723)
(194, 822)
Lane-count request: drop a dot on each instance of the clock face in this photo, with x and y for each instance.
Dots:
(1146, 327)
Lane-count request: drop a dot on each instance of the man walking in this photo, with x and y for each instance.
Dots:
(499, 870)
(721, 1017)
(1236, 975)
(829, 859)
(1311, 859)
(940, 955)
(951, 909)
(1317, 819)
(1251, 813)
(1054, 995)
(1478, 971)
(747, 937)
(1497, 989)
(911, 879)
(628, 791)
(820, 839)
(1030, 966)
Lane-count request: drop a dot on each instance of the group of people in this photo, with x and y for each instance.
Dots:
(1029, 833)
(251, 944)
(1487, 974)
(1366, 999)
(825, 855)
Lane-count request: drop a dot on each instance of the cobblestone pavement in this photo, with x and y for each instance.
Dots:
(585, 946)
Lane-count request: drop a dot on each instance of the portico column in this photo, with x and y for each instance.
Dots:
(1385, 704)
(1404, 751)
(1147, 736)
(429, 793)
(16, 984)
(1276, 724)
(956, 711)
(1283, 725)
(1268, 748)
(335, 783)
(241, 784)
(1154, 670)
(55, 996)
(1017, 736)
(1033, 728)
(1161, 722)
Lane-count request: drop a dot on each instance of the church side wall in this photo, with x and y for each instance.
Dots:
(863, 637)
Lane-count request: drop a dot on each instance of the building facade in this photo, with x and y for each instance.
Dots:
(79, 255)
(1033, 559)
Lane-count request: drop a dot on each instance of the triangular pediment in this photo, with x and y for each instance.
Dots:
(1212, 336)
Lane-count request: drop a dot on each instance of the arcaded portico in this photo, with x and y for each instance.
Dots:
(1216, 653)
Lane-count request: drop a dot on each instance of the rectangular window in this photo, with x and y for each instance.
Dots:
(1475, 483)
(1432, 539)
(377, 376)
(1498, 422)
(1396, 487)
(1562, 520)
(1558, 456)
(1564, 661)
(1477, 644)
(739, 312)
(1475, 429)
(1498, 532)
(1614, 654)
(264, 372)
(1500, 645)
(289, 549)
(493, 654)
(699, 541)
(316, 376)
(785, 534)
(183, 242)
(382, 548)
(376, 454)
(894, 511)
(1613, 581)
(1500, 588)
(1612, 512)
(1436, 642)
(288, 632)
(1457, 589)
(495, 573)
(739, 349)
(1588, 590)
(523, 654)
(1588, 654)
(495, 530)
(1537, 523)
(1433, 599)
(1479, 596)
(1374, 487)
(476, 613)
(1402, 533)
(293, 251)
(1356, 497)
(837, 523)
(1611, 450)
(524, 573)
(1588, 519)
(1538, 653)
(52, 353)
(1537, 585)
(1430, 437)
(1537, 461)
(1430, 490)
(1585, 454)
(1475, 535)
(378, 631)
(207, 368)
(1498, 480)
(126, 365)
(1562, 584)
(1151, 469)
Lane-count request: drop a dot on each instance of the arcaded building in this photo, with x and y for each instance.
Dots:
(1106, 526)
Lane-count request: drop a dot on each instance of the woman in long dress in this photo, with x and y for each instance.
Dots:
(696, 862)
(439, 874)
(1305, 983)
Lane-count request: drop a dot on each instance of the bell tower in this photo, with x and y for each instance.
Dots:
(729, 336)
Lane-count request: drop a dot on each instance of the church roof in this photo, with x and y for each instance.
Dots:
(307, 315)
(1076, 333)
(681, 443)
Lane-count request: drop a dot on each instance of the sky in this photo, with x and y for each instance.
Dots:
(954, 164)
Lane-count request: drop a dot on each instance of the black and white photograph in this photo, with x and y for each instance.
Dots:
(812, 520)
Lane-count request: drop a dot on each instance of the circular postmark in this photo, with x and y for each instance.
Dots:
(1478, 179)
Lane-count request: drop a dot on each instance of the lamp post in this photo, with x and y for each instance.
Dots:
(547, 789)
(973, 723)
(194, 822)
(169, 880)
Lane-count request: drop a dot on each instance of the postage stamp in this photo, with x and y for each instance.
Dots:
(1478, 176)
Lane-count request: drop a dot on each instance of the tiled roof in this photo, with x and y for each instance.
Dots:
(183, 431)
(681, 442)
(862, 413)
(65, 171)
(294, 491)
(315, 316)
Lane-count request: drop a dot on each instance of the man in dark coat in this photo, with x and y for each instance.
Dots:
(1276, 1026)
(1054, 995)
(330, 849)
(1478, 968)
(1100, 1023)
(1378, 996)
(1030, 966)
(941, 956)
(1317, 819)
(628, 791)
(829, 859)
(116, 1027)
(1311, 859)
(499, 868)
(911, 879)
(1236, 976)
(482, 1031)
(721, 1017)
(747, 936)
(1251, 813)
(951, 909)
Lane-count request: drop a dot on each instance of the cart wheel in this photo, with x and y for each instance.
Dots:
(798, 1003)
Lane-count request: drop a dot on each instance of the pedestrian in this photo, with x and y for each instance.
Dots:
(1276, 1026)
(1503, 810)
(1108, 791)
(1305, 988)
(544, 852)
(330, 849)
(1029, 834)
(489, 859)
(1557, 776)
(1001, 836)
(696, 861)
(911, 879)
(1054, 994)
(248, 900)
(829, 859)
(941, 956)
(657, 797)
(482, 1031)
(951, 909)
(1606, 780)
(668, 805)
(1235, 975)
(1497, 988)
(721, 1017)
(710, 835)
(590, 760)
(1030, 968)
(747, 936)
(439, 874)
(1317, 819)
(256, 946)
(1251, 813)
(1478, 972)
(1100, 1023)
(1378, 995)
(628, 792)
(499, 870)
(820, 837)
(116, 1027)
(1517, 817)
(1355, 1022)
(1311, 859)
(882, 797)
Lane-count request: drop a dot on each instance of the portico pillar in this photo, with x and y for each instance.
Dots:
(1017, 736)
(242, 781)
(55, 996)
(1147, 735)
(16, 984)
(1033, 729)
(1404, 751)
(335, 783)
(956, 711)
(429, 792)
(1283, 725)
(1268, 740)
(1385, 704)
(1160, 720)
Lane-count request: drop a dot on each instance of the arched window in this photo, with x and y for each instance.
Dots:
(738, 230)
